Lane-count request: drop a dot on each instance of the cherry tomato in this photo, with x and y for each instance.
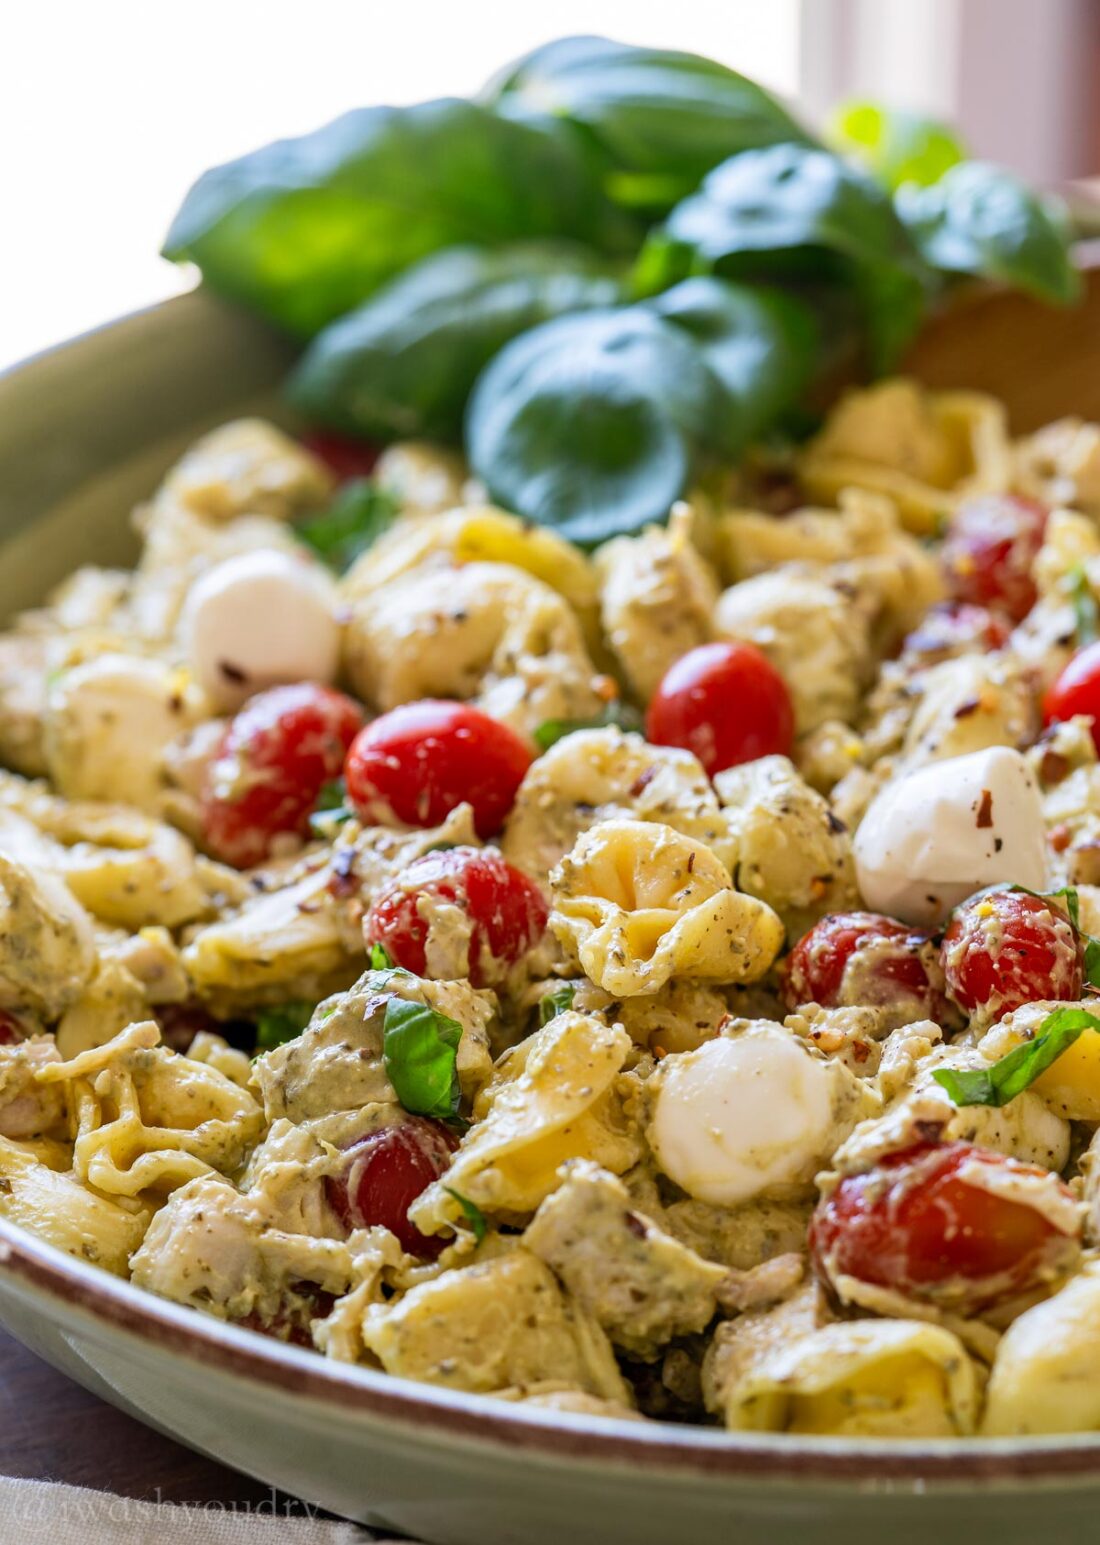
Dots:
(385, 1174)
(990, 549)
(344, 457)
(507, 913)
(956, 627)
(927, 1223)
(854, 958)
(270, 766)
(419, 761)
(1006, 948)
(291, 1321)
(725, 702)
(1077, 691)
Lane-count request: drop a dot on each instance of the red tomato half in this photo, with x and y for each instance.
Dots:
(416, 763)
(1077, 691)
(1003, 949)
(506, 911)
(345, 457)
(942, 1225)
(271, 765)
(855, 958)
(385, 1174)
(990, 550)
(726, 703)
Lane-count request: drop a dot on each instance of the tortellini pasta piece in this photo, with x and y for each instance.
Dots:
(500, 1323)
(426, 479)
(751, 541)
(970, 704)
(57, 1208)
(484, 632)
(47, 945)
(637, 904)
(791, 850)
(1060, 465)
(594, 776)
(24, 672)
(1046, 1372)
(248, 467)
(868, 1378)
(554, 1097)
(112, 999)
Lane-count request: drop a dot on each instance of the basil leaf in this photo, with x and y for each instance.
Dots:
(404, 363)
(896, 146)
(419, 1051)
(331, 810)
(980, 220)
(274, 1027)
(761, 344)
(618, 713)
(474, 1215)
(592, 424)
(1086, 613)
(380, 958)
(304, 229)
(551, 1004)
(1012, 1074)
(358, 515)
(658, 119)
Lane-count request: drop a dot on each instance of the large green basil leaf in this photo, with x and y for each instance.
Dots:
(979, 219)
(404, 363)
(305, 229)
(591, 424)
(661, 119)
(420, 1052)
(761, 344)
(895, 146)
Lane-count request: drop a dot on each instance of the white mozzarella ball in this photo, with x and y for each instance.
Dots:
(934, 837)
(259, 619)
(742, 1114)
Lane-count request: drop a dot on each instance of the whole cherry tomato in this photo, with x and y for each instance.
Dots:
(855, 958)
(946, 1225)
(271, 764)
(345, 457)
(990, 549)
(1077, 690)
(506, 913)
(1005, 948)
(416, 763)
(385, 1173)
(724, 702)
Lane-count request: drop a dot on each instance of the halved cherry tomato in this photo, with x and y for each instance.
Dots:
(345, 457)
(853, 958)
(291, 1320)
(419, 761)
(384, 1175)
(945, 1225)
(1077, 691)
(1006, 948)
(724, 702)
(990, 549)
(273, 760)
(955, 627)
(506, 911)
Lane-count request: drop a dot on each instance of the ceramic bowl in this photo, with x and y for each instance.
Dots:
(85, 431)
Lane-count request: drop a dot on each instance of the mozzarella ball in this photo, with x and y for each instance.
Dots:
(257, 620)
(742, 1114)
(934, 837)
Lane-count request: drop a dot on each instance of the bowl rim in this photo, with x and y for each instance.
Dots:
(674, 1449)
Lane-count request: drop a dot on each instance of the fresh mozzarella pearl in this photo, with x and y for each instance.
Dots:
(740, 1115)
(934, 837)
(257, 620)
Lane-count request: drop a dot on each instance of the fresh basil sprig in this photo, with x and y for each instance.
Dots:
(1086, 612)
(420, 1054)
(551, 1004)
(1003, 1080)
(277, 1026)
(473, 1213)
(380, 958)
(357, 516)
(617, 713)
(331, 810)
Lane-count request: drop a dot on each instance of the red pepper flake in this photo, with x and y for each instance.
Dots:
(642, 780)
(1060, 838)
(985, 809)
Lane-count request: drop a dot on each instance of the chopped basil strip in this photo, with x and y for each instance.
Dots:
(358, 515)
(420, 1053)
(551, 1004)
(274, 1027)
(331, 810)
(1012, 1074)
(617, 713)
(1086, 612)
(474, 1215)
(380, 958)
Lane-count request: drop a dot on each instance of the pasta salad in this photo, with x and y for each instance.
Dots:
(652, 981)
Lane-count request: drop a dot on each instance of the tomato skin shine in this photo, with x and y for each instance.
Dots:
(1077, 691)
(1005, 948)
(417, 762)
(507, 912)
(271, 764)
(990, 550)
(853, 958)
(724, 702)
(385, 1173)
(923, 1224)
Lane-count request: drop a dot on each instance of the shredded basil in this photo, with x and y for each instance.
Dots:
(1003, 1080)
(331, 810)
(473, 1213)
(358, 515)
(274, 1027)
(551, 1004)
(1086, 612)
(380, 958)
(617, 713)
(420, 1053)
